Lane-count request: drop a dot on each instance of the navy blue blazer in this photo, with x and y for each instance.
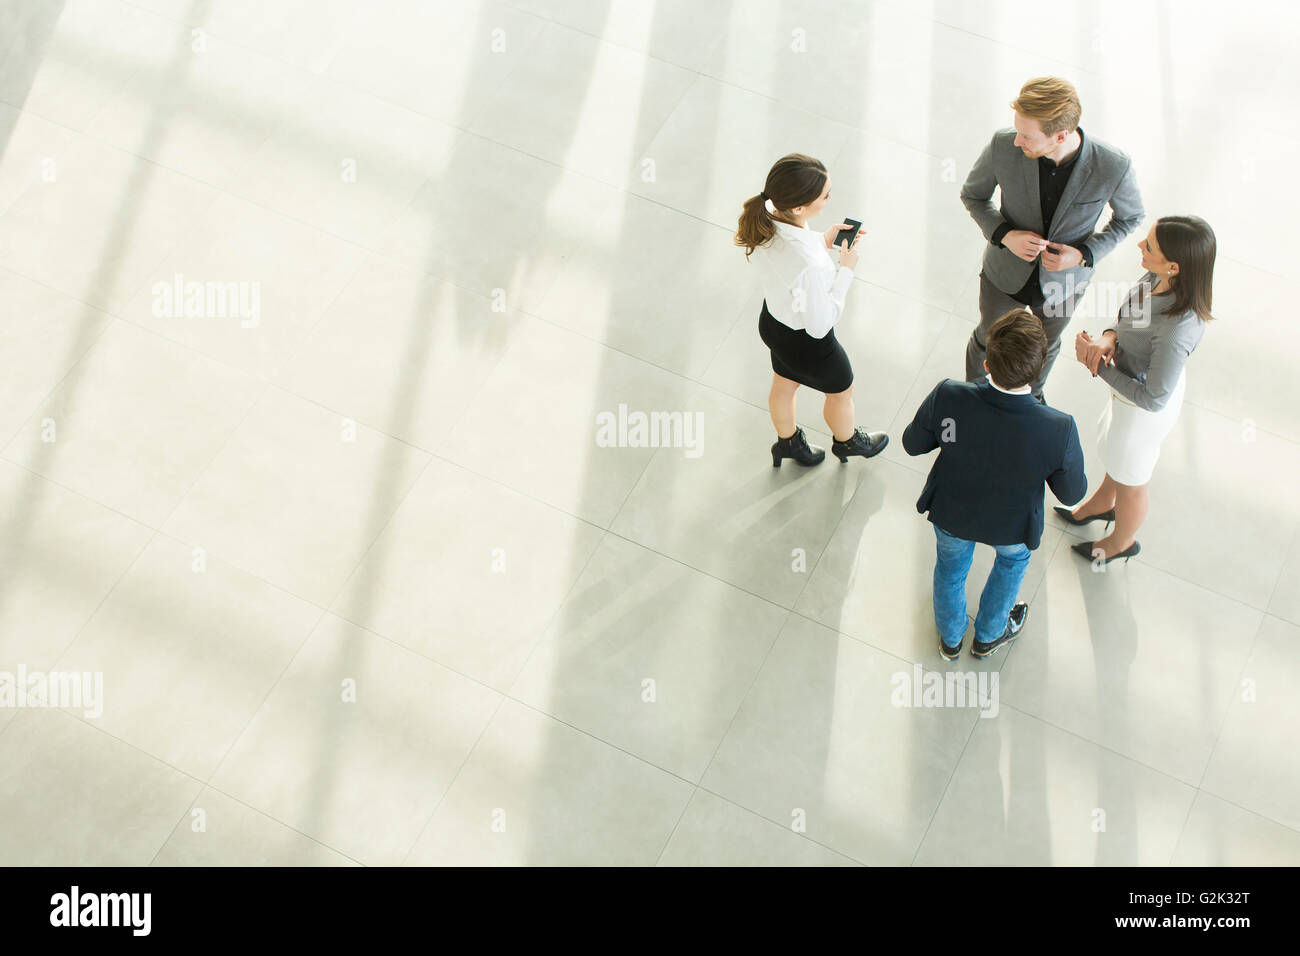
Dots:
(995, 452)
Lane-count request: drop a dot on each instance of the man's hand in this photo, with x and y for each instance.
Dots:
(1027, 245)
(1057, 257)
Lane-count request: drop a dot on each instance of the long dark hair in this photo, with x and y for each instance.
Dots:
(794, 180)
(1189, 241)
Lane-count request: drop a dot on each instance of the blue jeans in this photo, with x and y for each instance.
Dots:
(1000, 591)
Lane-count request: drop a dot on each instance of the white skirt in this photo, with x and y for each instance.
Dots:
(1129, 437)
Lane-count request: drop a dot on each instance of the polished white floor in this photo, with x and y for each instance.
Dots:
(432, 621)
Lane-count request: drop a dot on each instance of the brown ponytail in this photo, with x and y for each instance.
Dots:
(794, 180)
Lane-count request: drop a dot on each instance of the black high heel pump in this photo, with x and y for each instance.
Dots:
(1068, 516)
(1084, 550)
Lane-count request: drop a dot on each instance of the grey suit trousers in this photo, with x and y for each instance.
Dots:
(994, 303)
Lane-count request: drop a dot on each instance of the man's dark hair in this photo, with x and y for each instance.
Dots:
(1016, 350)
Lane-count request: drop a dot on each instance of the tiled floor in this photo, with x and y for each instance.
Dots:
(362, 586)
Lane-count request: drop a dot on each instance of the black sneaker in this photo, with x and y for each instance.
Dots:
(948, 652)
(1015, 622)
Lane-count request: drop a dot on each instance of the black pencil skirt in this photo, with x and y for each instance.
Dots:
(821, 364)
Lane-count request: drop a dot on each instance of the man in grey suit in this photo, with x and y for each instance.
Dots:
(1043, 239)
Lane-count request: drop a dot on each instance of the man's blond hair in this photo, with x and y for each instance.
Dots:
(1052, 101)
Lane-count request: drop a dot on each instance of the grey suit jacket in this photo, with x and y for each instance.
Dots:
(1104, 175)
(1151, 347)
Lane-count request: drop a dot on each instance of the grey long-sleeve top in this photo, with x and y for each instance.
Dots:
(1151, 346)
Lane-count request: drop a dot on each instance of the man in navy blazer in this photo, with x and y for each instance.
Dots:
(997, 446)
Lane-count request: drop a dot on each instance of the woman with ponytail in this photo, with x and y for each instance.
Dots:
(803, 299)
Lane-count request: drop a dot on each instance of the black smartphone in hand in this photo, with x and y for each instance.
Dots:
(848, 235)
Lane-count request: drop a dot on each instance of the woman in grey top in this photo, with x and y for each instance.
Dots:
(1143, 357)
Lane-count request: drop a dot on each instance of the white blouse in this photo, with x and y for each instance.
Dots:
(803, 287)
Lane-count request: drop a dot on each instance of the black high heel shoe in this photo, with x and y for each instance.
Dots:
(864, 443)
(1084, 550)
(797, 447)
(1068, 515)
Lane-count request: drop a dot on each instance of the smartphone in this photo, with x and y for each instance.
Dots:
(847, 235)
